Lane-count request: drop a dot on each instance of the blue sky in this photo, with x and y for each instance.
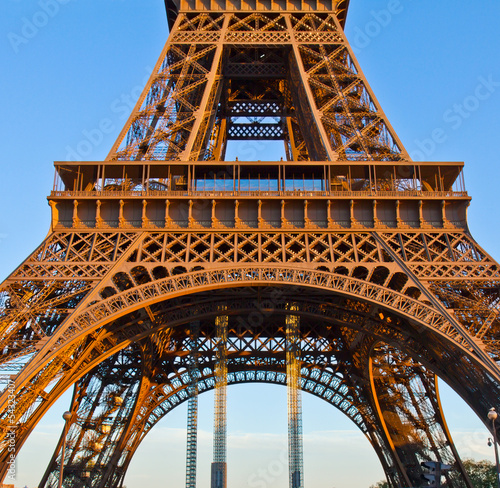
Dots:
(434, 67)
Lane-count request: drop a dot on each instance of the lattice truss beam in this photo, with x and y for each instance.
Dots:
(89, 256)
(452, 259)
(409, 407)
(331, 369)
(102, 405)
(257, 75)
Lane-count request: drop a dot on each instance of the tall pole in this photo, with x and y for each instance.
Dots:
(295, 450)
(67, 418)
(192, 421)
(492, 415)
(219, 467)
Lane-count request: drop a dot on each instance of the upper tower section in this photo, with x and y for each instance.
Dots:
(258, 70)
(173, 7)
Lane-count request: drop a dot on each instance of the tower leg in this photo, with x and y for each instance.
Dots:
(295, 449)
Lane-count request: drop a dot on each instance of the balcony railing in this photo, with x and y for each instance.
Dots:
(255, 224)
(259, 194)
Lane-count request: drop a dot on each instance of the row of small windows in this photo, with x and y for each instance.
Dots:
(381, 276)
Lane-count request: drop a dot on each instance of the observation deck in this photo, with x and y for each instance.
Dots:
(259, 195)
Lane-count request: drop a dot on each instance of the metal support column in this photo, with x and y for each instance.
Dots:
(295, 449)
(219, 467)
(192, 417)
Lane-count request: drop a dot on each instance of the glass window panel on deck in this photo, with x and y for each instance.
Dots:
(214, 178)
(307, 178)
(441, 177)
(259, 178)
(339, 178)
(158, 177)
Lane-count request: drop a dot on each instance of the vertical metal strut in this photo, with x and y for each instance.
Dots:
(295, 449)
(192, 417)
(219, 468)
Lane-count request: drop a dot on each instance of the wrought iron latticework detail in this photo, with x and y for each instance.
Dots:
(293, 367)
(219, 469)
(344, 270)
(192, 420)
(258, 75)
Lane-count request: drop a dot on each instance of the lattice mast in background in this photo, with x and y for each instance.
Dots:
(219, 467)
(192, 417)
(295, 446)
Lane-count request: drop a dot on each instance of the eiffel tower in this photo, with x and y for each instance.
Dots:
(346, 270)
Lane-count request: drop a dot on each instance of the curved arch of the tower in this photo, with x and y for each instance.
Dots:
(345, 270)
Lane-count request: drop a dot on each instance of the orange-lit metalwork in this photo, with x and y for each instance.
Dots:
(368, 249)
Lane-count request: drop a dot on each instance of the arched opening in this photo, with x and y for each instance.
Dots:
(257, 443)
(398, 281)
(379, 275)
(341, 270)
(178, 270)
(123, 281)
(360, 273)
(413, 292)
(140, 275)
(332, 318)
(159, 272)
(107, 292)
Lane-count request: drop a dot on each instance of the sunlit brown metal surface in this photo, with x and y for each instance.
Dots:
(370, 250)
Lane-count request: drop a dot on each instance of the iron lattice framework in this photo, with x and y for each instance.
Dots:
(370, 250)
(295, 448)
(219, 469)
(192, 420)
